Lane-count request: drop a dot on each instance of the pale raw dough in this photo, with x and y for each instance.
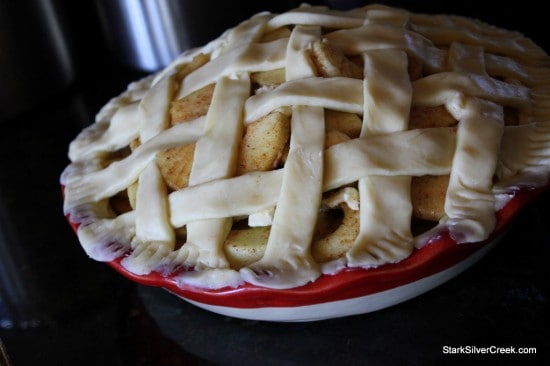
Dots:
(472, 70)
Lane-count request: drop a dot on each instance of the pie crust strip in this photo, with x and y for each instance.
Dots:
(385, 205)
(317, 16)
(99, 183)
(155, 237)
(215, 157)
(104, 136)
(469, 202)
(241, 59)
(338, 93)
(287, 261)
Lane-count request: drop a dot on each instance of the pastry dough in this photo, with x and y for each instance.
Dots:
(373, 96)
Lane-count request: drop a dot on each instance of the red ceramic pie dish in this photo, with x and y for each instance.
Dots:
(308, 129)
(359, 290)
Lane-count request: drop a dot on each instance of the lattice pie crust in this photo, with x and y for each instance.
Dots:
(300, 143)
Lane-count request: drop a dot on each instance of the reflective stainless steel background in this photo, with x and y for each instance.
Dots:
(145, 34)
(35, 59)
(148, 34)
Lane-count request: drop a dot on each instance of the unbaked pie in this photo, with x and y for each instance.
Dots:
(302, 143)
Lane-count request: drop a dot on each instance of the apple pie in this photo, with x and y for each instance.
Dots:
(302, 143)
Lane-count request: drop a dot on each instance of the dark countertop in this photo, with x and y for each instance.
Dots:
(80, 312)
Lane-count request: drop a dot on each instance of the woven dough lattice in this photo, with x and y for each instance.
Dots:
(308, 141)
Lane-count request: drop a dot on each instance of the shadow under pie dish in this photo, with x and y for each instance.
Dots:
(315, 163)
